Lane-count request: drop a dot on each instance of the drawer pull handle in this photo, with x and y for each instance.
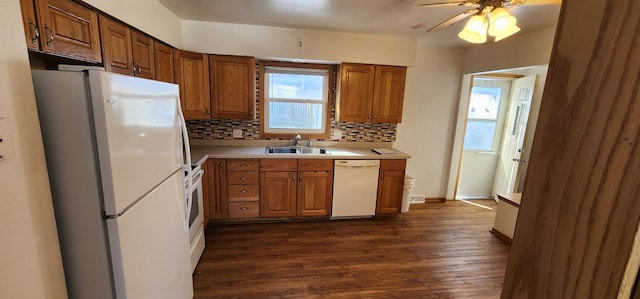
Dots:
(243, 179)
(244, 208)
(243, 191)
(394, 165)
(243, 165)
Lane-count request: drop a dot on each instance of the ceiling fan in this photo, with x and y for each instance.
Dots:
(485, 14)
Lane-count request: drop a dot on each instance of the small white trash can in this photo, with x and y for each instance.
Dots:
(406, 193)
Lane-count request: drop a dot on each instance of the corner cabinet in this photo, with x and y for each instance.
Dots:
(192, 74)
(371, 93)
(233, 80)
(62, 27)
(390, 184)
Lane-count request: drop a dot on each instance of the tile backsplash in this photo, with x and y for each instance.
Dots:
(211, 129)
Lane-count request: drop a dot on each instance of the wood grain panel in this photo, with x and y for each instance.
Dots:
(116, 46)
(356, 92)
(163, 55)
(390, 186)
(315, 190)
(388, 95)
(192, 74)
(243, 192)
(244, 209)
(440, 250)
(232, 87)
(315, 164)
(393, 164)
(278, 165)
(214, 189)
(243, 178)
(69, 29)
(580, 209)
(30, 24)
(278, 194)
(143, 55)
(243, 164)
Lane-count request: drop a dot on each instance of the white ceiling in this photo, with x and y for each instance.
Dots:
(379, 17)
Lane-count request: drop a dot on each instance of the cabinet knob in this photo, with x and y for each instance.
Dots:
(300, 177)
(221, 165)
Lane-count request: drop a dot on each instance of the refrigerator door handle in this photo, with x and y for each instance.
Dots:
(187, 166)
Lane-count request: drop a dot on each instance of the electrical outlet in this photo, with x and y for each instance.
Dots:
(237, 133)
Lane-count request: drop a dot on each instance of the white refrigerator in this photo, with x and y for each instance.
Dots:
(114, 150)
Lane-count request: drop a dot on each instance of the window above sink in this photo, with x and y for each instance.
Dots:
(296, 99)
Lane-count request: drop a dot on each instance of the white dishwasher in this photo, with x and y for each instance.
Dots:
(355, 188)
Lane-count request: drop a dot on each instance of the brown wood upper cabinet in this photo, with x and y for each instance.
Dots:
(163, 55)
(192, 74)
(126, 51)
(232, 87)
(371, 93)
(390, 184)
(62, 27)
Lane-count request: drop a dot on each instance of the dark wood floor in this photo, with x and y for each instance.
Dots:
(437, 250)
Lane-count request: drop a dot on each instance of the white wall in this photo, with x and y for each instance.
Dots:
(274, 42)
(520, 50)
(429, 114)
(30, 262)
(148, 16)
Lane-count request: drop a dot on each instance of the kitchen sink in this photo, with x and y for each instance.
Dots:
(309, 150)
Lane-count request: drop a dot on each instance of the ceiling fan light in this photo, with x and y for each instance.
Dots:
(475, 31)
(502, 24)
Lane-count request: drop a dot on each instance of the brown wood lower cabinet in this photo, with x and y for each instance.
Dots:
(243, 188)
(214, 186)
(390, 184)
(291, 187)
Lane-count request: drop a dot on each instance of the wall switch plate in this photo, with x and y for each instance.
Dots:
(6, 147)
(237, 133)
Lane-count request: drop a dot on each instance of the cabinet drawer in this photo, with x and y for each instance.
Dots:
(315, 164)
(243, 192)
(242, 178)
(393, 164)
(244, 209)
(278, 164)
(242, 165)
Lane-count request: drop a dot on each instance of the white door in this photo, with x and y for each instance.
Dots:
(514, 133)
(150, 246)
(138, 135)
(488, 103)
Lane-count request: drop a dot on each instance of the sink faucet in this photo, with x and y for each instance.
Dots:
(297, 139)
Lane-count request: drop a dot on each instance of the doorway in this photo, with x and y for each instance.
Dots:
(464, 171)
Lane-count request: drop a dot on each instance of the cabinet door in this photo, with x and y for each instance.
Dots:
(232, 87)
(163, 56)
(142, 49)
(29, 22)
(193, 77)
(314, 193)
(390, 185)
(356, 92)
(116, 43)
(214, 189)
(278, 194)
(388, 93)
(69, 29)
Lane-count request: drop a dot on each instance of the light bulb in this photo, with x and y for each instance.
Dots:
(475, 31)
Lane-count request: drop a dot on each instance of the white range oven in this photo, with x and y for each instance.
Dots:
(196, 216)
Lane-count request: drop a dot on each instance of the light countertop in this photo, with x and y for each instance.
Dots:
(202, 150)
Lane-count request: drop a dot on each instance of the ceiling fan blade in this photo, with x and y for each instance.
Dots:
(440, 4)
(454, 19)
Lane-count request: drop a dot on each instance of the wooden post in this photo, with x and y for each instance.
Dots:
(581, 201)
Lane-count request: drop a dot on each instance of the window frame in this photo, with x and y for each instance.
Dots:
(263, 98)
